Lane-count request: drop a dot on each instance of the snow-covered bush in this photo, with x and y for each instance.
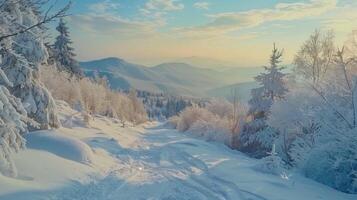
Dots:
(61, 85)
(192, 114)
(334, 162)
(296, 123)
(314, 133)
(215, 129)
(220, 107)
(94, 96)
(215, 122)
(272, 163)
(173, 122)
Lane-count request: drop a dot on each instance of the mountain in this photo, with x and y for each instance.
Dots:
(185, 74)
(207, 63)
(173, 78)
(239, 74)
(119, 66)
(228, 92)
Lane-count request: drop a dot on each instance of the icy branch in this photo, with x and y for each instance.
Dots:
(46, 19)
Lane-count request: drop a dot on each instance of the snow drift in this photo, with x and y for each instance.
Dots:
(60, 145)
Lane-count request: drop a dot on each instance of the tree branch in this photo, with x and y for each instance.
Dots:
(46, 19)
(332, 107)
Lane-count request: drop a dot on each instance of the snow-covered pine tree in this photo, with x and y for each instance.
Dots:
(22, 55)
(256, 138)
(64, 53)
(13, 119)
(272, 163)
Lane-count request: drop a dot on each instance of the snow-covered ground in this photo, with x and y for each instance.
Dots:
(105, 161)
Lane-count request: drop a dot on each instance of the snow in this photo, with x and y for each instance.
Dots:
(144, 162)
(61, 145)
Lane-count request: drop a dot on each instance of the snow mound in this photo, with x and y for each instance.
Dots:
(60, 145)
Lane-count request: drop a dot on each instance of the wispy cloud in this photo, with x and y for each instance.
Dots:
(156, 10)
(105, 18)
(202, 5)
(110, 25)
(164, 5)
(103, 7)
(343, 19)
(144, 32)
(230, 21)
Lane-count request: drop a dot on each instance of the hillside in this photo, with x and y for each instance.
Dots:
(242, 90)
(206, 63)
(172, 78)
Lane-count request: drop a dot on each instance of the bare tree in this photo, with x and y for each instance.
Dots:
(344, 64)
(237, 119)
(315, 56)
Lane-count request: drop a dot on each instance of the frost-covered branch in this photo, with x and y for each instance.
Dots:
(46, 19)
(322, 95)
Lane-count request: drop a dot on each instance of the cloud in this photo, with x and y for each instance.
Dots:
(164, 5)
(110, 25)
(105, 20)
(104, 6)
(230, 21)
(343, 19)
(156, 10)
(202, 5)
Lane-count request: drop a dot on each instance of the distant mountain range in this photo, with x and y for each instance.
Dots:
(173, 78)
(207, 63)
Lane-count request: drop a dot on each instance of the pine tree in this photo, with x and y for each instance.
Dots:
(272, 88)
(64, 53)
(13, 119)
(272, 163)
(21, 57)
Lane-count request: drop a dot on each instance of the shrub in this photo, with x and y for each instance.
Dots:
(190, 115)
(334, 163)
(93, 96)
(215, 122)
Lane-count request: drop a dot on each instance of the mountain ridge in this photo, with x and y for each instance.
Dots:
(176, 78)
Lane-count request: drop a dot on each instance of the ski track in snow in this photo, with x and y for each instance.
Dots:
(151, 162)
(158, 169)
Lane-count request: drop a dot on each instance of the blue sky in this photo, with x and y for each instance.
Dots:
(238, 31)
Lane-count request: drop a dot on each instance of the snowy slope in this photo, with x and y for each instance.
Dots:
(146, 162)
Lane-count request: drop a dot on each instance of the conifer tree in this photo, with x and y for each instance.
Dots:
(64, 54)
(13, 119)
(272, 88)
(21, 57)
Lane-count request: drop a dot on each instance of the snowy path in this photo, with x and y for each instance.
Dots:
(163, 165)
(157, 163)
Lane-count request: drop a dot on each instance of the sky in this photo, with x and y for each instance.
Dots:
(241, 32)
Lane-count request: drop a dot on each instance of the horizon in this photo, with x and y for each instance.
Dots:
(150, 32)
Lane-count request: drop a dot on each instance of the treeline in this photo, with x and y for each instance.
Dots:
(304, 120)
(160, 106)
